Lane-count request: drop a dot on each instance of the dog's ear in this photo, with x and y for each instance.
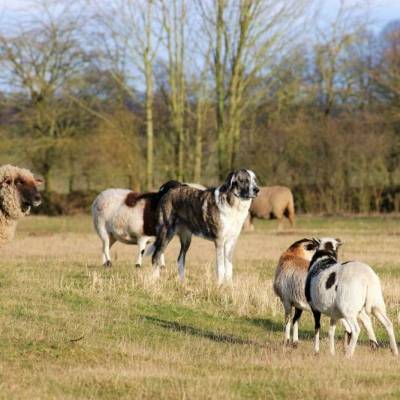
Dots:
(230, 179)
(39, 181)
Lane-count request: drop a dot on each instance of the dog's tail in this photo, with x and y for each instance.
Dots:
(150, 250)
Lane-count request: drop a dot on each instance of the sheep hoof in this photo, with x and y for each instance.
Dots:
(162, 266)
(108, 264)
(137, 265)
(374, 345)
(295, 345)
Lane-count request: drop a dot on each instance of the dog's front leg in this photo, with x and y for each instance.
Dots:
(219, 247)
(228, 252)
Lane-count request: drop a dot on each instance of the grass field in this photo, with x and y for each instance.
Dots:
(72, 330)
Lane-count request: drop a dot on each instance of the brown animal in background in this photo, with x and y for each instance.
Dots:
(272, 202)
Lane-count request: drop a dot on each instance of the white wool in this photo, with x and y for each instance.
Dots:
(115, 221)
(347, 291)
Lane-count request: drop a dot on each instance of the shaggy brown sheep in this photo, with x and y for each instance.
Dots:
(18, 193)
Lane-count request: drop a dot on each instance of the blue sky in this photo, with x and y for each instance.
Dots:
(381, 11)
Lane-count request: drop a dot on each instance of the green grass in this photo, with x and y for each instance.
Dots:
(72, 330)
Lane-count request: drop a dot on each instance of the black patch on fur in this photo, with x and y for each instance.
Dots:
(336, 288)
(328, 258)
(317, 319)
(331, 258)
(142, 252)
(331, 280)
(297, 314)
(346, 262)
(151, 202)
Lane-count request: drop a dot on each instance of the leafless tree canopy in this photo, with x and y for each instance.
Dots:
(135, 92)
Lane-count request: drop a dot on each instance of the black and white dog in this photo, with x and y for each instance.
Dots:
(215, 214)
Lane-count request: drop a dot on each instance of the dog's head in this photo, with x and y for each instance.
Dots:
(19, 191)
(242, 183)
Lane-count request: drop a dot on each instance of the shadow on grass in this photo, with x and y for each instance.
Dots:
(191, 330)
(272, 326)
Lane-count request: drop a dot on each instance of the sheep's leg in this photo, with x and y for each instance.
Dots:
(355, 332)
(387, 323)
(141, 250)
(296, 318)
(251, 223)
(332, 327)
(162, 261)
(288, 318)
(366, 321)
(347, 334)
(185, 237)
(317, 327)
(108, 241)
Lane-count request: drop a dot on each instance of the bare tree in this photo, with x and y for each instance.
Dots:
(39, 57)
(130, 36)
(245, 36)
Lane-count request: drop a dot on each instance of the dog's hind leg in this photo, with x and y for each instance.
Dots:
(163, 238)
(185, 237)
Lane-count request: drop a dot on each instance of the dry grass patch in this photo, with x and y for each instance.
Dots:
(71, 330)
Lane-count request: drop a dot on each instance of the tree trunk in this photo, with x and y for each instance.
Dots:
(148, 70)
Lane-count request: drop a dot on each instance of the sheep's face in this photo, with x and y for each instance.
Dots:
(304, 248)
(330, 245)
(18, 193)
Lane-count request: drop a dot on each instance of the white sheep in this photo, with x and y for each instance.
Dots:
(128, 217)
(290, 279)
(344, 291)
(18, 193)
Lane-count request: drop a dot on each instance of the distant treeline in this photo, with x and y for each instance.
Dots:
(131, 93)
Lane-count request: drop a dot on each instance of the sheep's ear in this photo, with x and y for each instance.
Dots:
(339, 242)
(39, 181)
(316, 242)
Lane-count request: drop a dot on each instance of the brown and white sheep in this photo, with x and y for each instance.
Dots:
(290, 281)
(128, 217)
(18, 193)
(272, 202)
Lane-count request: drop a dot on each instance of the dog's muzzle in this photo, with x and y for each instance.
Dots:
(254, 193)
